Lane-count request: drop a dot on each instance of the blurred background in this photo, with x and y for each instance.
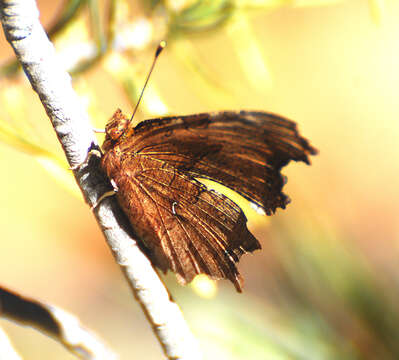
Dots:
(325, 285)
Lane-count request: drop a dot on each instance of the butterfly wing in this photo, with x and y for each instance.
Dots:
(243, 150)
(185, 227)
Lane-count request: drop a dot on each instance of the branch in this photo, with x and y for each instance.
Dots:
(71, 123)
(55, 323)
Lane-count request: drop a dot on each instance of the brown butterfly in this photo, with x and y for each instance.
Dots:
(186, 227)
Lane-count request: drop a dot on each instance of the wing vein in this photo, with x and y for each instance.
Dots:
(176, 257)
(199, 198)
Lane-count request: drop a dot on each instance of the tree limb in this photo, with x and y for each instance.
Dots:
(20, 20)
(55, 323)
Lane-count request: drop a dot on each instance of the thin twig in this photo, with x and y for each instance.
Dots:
(55, 323)
(23, 30)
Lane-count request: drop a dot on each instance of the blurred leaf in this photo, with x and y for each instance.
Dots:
(54, 165)
(249, 53)
(68, 12)
(96, 25)
(185, 52)
(377, 9)
(261, 330)
(126, 75)
(22, 135)
(201, 16)
(60, 173)
(101, 40)
(331, 280)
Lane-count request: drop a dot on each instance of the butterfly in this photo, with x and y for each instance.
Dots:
(186, 227)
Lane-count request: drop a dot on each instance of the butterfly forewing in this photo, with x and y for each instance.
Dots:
(242, 150)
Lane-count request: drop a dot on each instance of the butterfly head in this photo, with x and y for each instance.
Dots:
(116, 127)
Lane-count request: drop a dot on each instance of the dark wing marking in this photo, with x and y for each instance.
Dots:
(244, 150)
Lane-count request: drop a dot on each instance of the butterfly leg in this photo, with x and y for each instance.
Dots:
(106, 194)
(93, 150)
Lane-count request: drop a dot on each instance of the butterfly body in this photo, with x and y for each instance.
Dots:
(186, 227)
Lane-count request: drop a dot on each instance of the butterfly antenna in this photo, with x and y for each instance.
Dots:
(160, 47)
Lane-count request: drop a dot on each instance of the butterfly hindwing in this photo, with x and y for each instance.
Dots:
(186, 227)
